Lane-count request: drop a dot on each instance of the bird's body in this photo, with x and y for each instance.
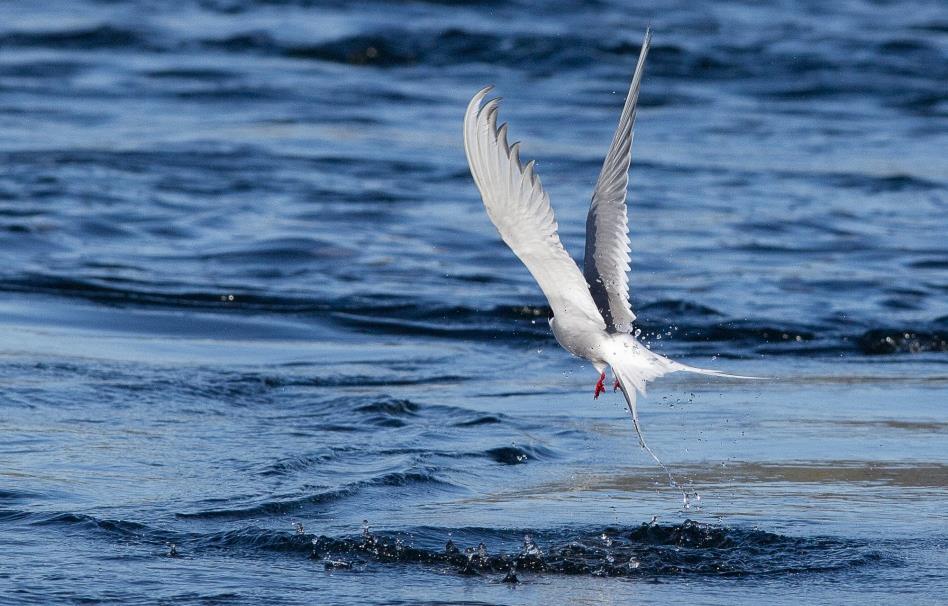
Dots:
(592, 317)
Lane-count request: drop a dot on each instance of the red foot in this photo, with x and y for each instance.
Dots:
(600, 388)
(615, 385)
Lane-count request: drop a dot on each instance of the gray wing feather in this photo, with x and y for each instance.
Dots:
(606, 262)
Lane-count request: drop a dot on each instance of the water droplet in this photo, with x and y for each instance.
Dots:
(633, 563)
(529, 547)
(299, 528)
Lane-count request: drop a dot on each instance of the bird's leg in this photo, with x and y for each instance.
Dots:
(615, 385)
(600, 388)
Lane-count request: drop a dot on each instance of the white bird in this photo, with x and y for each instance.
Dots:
(592, 317)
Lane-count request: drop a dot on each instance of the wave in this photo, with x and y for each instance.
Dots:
(891, 341)
(674, 324)
(103, 36)
(517, 455)
(648, 550)
(401, 47)
(308, 504)
(690, 548)
(875, 184)
(394, 47)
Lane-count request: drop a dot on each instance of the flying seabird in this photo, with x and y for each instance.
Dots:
(592, 317)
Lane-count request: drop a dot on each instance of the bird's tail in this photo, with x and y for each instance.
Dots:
(633, 371)
(678, 366)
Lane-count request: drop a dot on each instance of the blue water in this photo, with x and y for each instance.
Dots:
(259, 342)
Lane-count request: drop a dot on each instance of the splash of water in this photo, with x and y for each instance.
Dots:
(530, 548)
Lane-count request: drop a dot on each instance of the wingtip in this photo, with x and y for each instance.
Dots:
(515, 154)
(489, 110)
(479, 97)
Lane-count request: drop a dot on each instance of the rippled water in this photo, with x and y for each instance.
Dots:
(260, 344)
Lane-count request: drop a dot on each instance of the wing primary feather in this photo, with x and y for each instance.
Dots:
(607, 262)
(520, 210)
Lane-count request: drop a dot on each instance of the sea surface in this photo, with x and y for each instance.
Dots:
(259, 343)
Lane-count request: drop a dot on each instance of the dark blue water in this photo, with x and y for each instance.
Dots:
(260, 344)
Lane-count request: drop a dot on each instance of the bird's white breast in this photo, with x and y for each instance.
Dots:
(581, 337)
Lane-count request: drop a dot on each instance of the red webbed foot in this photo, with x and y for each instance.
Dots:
(600, 388)
(615, 385)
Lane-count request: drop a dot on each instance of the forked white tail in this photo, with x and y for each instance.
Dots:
(633, 369)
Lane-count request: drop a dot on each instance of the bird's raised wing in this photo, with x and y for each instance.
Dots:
(520, 210)
(606, 262)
